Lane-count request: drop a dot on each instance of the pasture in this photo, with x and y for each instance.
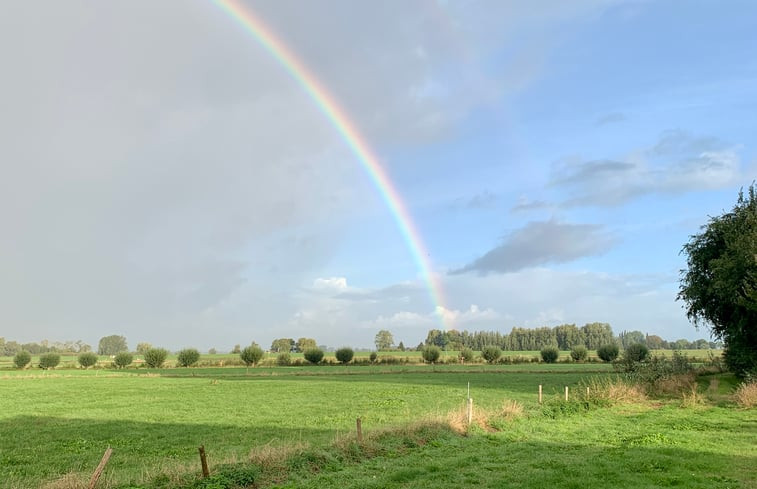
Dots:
(59, 422)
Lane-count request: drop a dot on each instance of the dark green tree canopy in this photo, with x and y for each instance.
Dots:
(719, 286)
(110, 345)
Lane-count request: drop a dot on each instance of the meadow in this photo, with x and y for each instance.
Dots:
(54, 423)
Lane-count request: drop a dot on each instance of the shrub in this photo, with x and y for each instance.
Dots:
(22, 359)
(746, 395)
(188, 357)
(466, 354)
(579, 353)
(344, 355)
(155, 357)
(123, 359)
(283, 359)
(491, 353)
(608, 352)
(636, 353)
(49, 360)
(373, 357)
(251, 355)
(431, 353)
(313, 355)
(550, 354)
(87, 359)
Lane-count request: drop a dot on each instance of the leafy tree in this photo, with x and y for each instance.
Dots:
(491, 353)
(49, 360)
(212, 351)
(143, 347)
(110, 345)
(628, 338)
(313, 355)
(579, 353)
(401, 346)
(344, 355)
(636, 353)
(251, 355)
(466, 354)
(608, 352)
(123, 359)
(303, 344)
(373, 357)
(87, 359)
(384, 340)
(283, 345)
(550, 354)
(431, 353)
(188, 357)
(237, 349)
(22, 359)
(719, 286)
(155, 357)
(655, 342)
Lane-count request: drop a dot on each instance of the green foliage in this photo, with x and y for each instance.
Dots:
(657, 367)
(282, 345)
(550, 354)
(719, 287)
(579, 353)
(313, 355)
(491, 353)
(344, 355)
(22, 359)
(155, 357)
(466, 354)
(384, 340)
(251, 355)
(283, 359)
(123, 359)
(636, 353)
(188, 357)
(87, 359)
(373, 356)
(110, 345)
(608, 352)
(143, 347)
(304, 344)
(49, 360)
(431, 353)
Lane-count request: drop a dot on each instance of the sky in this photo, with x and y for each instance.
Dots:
(165, 178)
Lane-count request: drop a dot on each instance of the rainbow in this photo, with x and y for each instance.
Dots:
(348, 131)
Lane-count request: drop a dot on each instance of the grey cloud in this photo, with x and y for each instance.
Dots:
(541, 243)
(525, 205)
(611, 118)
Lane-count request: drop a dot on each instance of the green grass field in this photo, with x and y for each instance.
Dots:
(58, 422)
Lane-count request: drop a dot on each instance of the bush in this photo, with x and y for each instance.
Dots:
(491, 353)
(251, 355)
(466, 354)
(373, 357)
(283, 359)
(22, 359)
(636, 353)
(431, 353)
(49, 360)
(313, 355)
(188, 357)
(155, 357)
(579, 353)
(608, 353)
(746, 395)
(344, 355)
(550, 354)
(87, 359)
(123, 359)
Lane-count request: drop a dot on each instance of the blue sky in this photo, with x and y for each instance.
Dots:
(165, 179)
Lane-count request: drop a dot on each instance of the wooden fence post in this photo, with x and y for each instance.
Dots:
(204, 462)
(566, 392)
(100, 468)
(539, 393)
(359, 423)
(470, 410)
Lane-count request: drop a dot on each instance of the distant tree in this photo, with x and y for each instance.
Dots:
(188, 357)
(87, 359)
(681, 344)
(22, 359)
(719, 287)
(123, 359)
(110, 345)
(608, 352)
(251, 355)
(491, 353)
(283, 345)
(431, 353)
(155, 357)
(437, 337)
(636, 353)
(628, 338)
(420, 346)
(597, 334)
(550, 354)
(401, 346)
(237, 349)
(143, 347)
(313, 355)
(373, 357)
(579, 353)
(212, 351)
(344, 355)
(303, 344)
(654, 342)
(49, 360)
(384, 340)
